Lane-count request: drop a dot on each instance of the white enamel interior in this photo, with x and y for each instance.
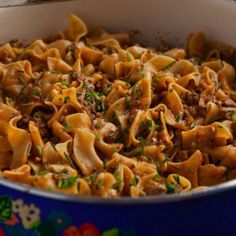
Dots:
(172, 19)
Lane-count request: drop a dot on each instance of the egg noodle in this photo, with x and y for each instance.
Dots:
(93, 114)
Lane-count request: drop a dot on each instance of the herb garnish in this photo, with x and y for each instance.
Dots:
(142, 72)
(118, 178)
(38, 114)
(84, 84)
(97, 126)
(72, 74)
(36, 92)
(92, 97)
(93, 178)
(192, 125)
(147, 125)
(100, 184)
(67, 183)
(167, 66)
(66, 99)
(134, 181)
(69, 159)
(176, 177)
(114, 118)
(67, 126)
(89, 97)
(179, 117)
(64, 82)
(138, 90)
(43, 172)
(56, 72)
(170, 187)
(128, 57)
(39, 150)
(155, 177)
(65, 171)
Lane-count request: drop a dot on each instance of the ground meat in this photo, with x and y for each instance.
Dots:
(15, 43)
(98, 86)
(42, 126)
(58, 177)
(23, 123)
(192, 98)
(52, 38)
(224, 113)
(112, 137)
(152, 187)
(228, 103)
(6, 60)
(190, 111)
(233, 127)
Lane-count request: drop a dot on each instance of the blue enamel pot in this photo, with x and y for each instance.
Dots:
(25, 211)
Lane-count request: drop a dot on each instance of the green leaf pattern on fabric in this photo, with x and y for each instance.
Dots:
(111, 232)
(5, 208)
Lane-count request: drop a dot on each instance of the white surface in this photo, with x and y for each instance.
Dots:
(173, 19)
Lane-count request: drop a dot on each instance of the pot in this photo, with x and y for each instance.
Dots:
(28, 211)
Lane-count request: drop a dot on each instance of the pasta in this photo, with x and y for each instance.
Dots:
(92, 114)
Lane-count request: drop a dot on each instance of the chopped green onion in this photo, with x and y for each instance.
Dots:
(67, 126)
(179, 117)
(128, 57)
(192, 125)
(97, 126)
(119, 180)
(155, 177)
(56, 72)
(67, 183)
(65, 171)
(99, 106)
(84, 84)
(36, 92)
(89, 97)
(93, 178)
(134, 181)
(97, 138)
(64, 82)
(38, 114)
(176, 177)
(69, 159)
(39, 150)
(43, 172)
(170, 187)
(142, 72)
(66, 99)
(100, 184)
(158, 127)
(72, 74)
(167, 66)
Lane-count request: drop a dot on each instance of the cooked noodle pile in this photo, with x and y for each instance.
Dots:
(94, 115)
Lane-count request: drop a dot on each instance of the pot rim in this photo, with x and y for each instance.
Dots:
(145, 200)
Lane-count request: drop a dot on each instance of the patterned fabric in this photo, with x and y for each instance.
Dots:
(20, 218)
